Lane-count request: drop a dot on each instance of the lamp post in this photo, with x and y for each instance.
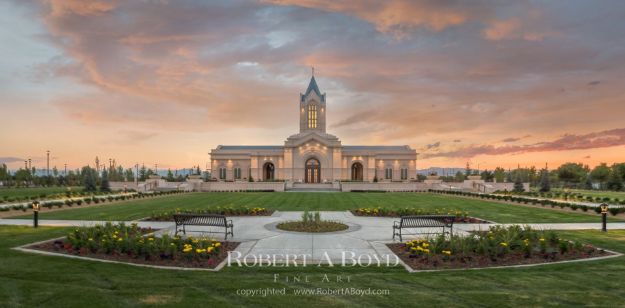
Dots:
(604, 217)
(36, 207)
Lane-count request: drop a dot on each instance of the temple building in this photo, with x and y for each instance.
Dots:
(312, 155)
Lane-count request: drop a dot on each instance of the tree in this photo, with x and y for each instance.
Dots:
(459, 177)
(104, 183)
(545, 185)
(170, 176)
(487, 176)
(614, 181)
(89, 179)
(619, 170)
(129, 175)
(499, 174)
(572, 173)
(600, 174)
(143, 174)
(518, 184)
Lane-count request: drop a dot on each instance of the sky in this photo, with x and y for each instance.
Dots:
(492, 83)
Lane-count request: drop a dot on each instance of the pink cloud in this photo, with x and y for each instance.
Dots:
(595, 140)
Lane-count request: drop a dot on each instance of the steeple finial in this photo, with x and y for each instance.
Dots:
(313, 71)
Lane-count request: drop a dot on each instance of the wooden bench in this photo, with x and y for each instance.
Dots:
(424, 221)
(209, 220)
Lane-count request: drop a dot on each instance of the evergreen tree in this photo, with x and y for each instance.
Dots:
(104, 183)
(170, 176)
(89, 179)
(518, 184)
(545, 186)
(129, 175)
(143, 174)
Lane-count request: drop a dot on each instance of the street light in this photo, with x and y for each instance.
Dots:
(36, 207)
(604, 217)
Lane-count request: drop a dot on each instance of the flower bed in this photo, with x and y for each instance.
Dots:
(461, 217)
(499, 246)
(129, 243)
(227, 211)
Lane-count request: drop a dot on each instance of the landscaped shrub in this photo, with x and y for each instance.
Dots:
(228, 211)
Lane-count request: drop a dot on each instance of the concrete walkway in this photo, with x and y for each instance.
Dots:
(258, 235)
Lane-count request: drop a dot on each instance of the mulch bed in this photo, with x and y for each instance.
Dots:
(59, 246)
(461, 220)
(323, 226)
(437, 262)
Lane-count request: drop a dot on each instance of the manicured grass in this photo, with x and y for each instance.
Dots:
(31, 280)
(498, 212)
(33, 192)
(595, 193)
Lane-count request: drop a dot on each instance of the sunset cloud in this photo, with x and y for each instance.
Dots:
(596, 140)
(432, 74)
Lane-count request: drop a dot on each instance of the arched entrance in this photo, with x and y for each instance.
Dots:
(357, 171)
(313, 171)
(268, 172)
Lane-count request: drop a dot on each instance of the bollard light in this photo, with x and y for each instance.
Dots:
(604, 217)
(36, 208)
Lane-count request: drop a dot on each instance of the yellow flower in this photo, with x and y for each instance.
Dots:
(504, 244)
(200, 250)
(217, 244)
(542, 239)
(150, 239)
(447, 252)
(209, 249)
(90, 239)
(119, 239)
(426, 250)
(186, 250)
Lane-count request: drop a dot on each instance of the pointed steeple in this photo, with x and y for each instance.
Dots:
(312, 86)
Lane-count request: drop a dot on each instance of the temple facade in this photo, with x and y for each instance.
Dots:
(313, 155)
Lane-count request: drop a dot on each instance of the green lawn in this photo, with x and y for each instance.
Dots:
(35, 191)
(595, 193)
(492, 211)
(31, 280)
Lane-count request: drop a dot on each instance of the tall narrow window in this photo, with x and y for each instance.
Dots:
(388, 174)
(312, 116)
(237, 173)
(222, 173)
(404, 174)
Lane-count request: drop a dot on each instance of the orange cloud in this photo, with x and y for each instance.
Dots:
(595, 140)
(395, 16)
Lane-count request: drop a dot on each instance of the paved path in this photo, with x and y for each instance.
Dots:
(366, 236)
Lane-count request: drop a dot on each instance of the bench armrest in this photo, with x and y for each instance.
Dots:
(396, 224)
(229, 222)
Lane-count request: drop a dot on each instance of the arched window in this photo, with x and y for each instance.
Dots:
(312, 116)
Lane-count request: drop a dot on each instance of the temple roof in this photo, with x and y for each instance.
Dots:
(312, 86)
